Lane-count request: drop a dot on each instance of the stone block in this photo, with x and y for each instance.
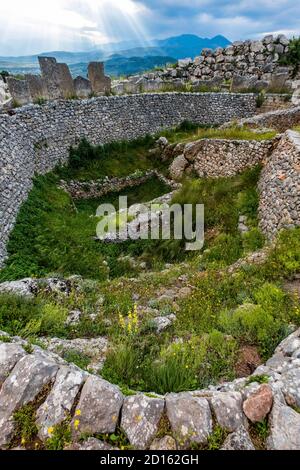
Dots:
(19, 91)
(57, 78)
(99, 82)
(65, 81)
(82, 87)
(37, 87)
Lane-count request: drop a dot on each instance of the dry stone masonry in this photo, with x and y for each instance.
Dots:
(56, 82)
(34, 139)
(94, 406)
(248, 65)
(279, 187)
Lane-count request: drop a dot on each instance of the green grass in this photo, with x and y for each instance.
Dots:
(50, 233)
(25, 427)
(233, 133)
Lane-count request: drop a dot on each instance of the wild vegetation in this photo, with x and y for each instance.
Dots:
(222, 313)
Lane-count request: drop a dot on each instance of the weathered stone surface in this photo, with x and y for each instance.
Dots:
(98, 408)
(227, 407)
(284, 428)
(60, 400)
(25, 382)
(99, 82)
(140, 419)
(190, 418)
(291, 386)
(37, 87)
(178, 167)
(162, 323)
(289, 345)
(91, 444)
(259, 404)
(10, 354)
(239, 440)
(24, 287)
(51, 77)
(93, 348)
(66, 83)
(29, 140)
(19, 91)
(166, 443)
(83, 88)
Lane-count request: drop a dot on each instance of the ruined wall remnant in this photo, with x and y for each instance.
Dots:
(36, 139)
(56, 83)
(19, 90)
(37, 87)
(100, 83)
(57, 77)
(83, 87)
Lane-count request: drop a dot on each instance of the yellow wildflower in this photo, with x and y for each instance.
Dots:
(23, 441)
(50, 430)
(78, 413)
(76, 424)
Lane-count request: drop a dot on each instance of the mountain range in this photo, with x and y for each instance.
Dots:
(124, 58)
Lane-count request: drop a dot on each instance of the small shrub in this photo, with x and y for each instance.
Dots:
(253, 240)
(80, 360)
(260, 379)
(217, 438)
(25, 427)
(61, 436)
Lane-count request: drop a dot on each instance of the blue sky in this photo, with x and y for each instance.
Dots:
(32, 26)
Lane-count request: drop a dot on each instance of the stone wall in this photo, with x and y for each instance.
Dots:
(279, 187)
(281, 120)
(219, 157)
(98, 407)
(37, 138)
(248, 65)
(56, 82)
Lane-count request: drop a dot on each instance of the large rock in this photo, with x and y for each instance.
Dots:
(178, 167)
(291, 386)
(190, 418)
(82, 87)
(289, 345)
(10, 354)
(24, 287)
(162, 323)
(25, 382)
(60, 400)
(284, 428)
(239, 440)
(98, 409)
(259, 404)
(227, 407)
(140, 419)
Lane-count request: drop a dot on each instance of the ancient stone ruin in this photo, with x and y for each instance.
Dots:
(56, 82)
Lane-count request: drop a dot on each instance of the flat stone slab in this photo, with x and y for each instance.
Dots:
(61, 399)
(25, 382)
(140, 419)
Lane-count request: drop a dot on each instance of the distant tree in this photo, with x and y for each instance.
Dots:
(4, 74)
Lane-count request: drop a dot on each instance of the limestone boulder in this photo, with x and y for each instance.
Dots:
(141, 416)
(284, 428)
(227, 407)
(25, 382)
(178, 167)
(238, 440)
(259, 404)
(190, 418)
(60, 400)
(98, 409)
